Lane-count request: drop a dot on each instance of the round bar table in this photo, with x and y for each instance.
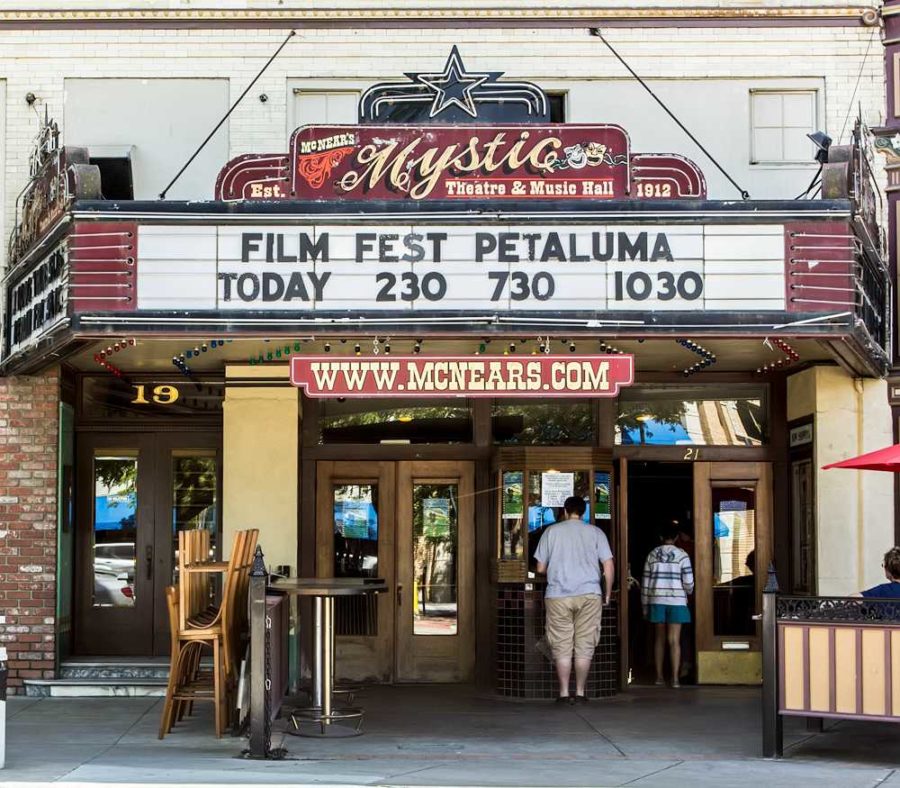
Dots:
(323, 590)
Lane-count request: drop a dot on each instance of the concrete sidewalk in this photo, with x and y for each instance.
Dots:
(418, 736)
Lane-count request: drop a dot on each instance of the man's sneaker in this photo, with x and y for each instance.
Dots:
(564, 700)
(581, 699)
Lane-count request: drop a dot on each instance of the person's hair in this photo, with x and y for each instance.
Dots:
(892, 562)
(575, 505)
(669, 532)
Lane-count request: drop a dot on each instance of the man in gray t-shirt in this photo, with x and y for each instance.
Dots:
(570, 553)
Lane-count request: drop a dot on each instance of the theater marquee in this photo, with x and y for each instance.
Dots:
(421, 267)
(468, 376)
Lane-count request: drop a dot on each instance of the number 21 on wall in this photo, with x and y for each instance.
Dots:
(161, 395)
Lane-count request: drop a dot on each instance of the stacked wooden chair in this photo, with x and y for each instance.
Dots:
(197, 625)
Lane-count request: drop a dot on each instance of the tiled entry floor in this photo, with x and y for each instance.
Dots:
(694, 737)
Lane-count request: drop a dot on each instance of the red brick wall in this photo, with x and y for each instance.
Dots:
(29, 425)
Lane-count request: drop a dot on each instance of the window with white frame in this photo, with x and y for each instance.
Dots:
(780, 121)
(325, 107)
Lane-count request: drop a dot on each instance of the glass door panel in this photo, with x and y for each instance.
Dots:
(734, 560)
(195, 482)
(114, 530)
(434, 607)
(355, 509)
(187, 480)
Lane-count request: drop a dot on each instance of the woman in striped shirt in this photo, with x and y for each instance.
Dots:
(667, 581)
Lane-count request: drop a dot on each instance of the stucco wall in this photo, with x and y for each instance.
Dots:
(261, 473)
(854, 509)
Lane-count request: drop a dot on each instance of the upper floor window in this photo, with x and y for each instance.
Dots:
(557, 107)
(780, 121)
(325, 107)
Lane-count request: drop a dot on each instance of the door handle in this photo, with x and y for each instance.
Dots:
(148, 557)
(399, 595)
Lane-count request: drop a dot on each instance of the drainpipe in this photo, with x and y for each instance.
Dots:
(860, 506)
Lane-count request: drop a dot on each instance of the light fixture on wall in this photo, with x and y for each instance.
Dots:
(822, 142)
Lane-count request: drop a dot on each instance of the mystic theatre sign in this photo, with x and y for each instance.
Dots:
(465, 376)
(458, 135)
(460, 162)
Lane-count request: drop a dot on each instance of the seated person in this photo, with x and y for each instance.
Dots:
(891, 589)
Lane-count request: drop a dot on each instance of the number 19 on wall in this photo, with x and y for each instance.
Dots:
(161, 395)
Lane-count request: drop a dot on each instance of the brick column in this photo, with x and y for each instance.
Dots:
(29, 428)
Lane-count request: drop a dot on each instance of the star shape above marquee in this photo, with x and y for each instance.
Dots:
(454, 85)
(454, 96)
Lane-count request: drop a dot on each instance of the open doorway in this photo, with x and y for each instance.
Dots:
(658, 493)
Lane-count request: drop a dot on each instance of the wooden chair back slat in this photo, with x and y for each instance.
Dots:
(194, 587)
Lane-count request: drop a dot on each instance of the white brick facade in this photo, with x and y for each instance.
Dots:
(39, 60)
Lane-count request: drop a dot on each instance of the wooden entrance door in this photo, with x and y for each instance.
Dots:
(733, 537)
(435, 571)
(134, 492)
(411, 523)
(115, 511)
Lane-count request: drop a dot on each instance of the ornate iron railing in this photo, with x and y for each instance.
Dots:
(837, 609)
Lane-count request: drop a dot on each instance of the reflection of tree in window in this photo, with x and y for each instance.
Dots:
(557, 422)
(435, 513)
(639, 421)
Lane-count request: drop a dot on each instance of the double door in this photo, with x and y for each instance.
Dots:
(412, 524)
(134, 493)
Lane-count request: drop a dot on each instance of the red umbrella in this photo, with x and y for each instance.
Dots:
(882, 460)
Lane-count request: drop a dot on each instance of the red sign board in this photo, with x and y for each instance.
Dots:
(415, 163)
(464, 376)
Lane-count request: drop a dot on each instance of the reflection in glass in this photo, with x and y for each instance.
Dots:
(542, 422)
(355, 508)
(434, 545)
(543, 511)
(734, 560)
(512, 514)
(373, 420)
(194, 498)
(602, 508)
(114, 530)
(692, 416)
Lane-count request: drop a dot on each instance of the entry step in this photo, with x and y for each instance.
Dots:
(99, 668)
(96, 688)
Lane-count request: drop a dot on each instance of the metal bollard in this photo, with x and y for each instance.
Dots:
(772, 727)
(260, 725)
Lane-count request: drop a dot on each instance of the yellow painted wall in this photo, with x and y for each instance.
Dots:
(854, 509)
(801, 394)
(261, 474)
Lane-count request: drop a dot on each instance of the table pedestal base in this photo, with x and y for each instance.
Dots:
(315, 723)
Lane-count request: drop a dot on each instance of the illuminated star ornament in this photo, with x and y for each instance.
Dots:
(454, 85)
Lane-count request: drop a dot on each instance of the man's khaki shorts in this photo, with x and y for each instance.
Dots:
(573, 624)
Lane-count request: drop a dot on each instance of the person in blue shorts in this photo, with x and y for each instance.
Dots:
(668, 579)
